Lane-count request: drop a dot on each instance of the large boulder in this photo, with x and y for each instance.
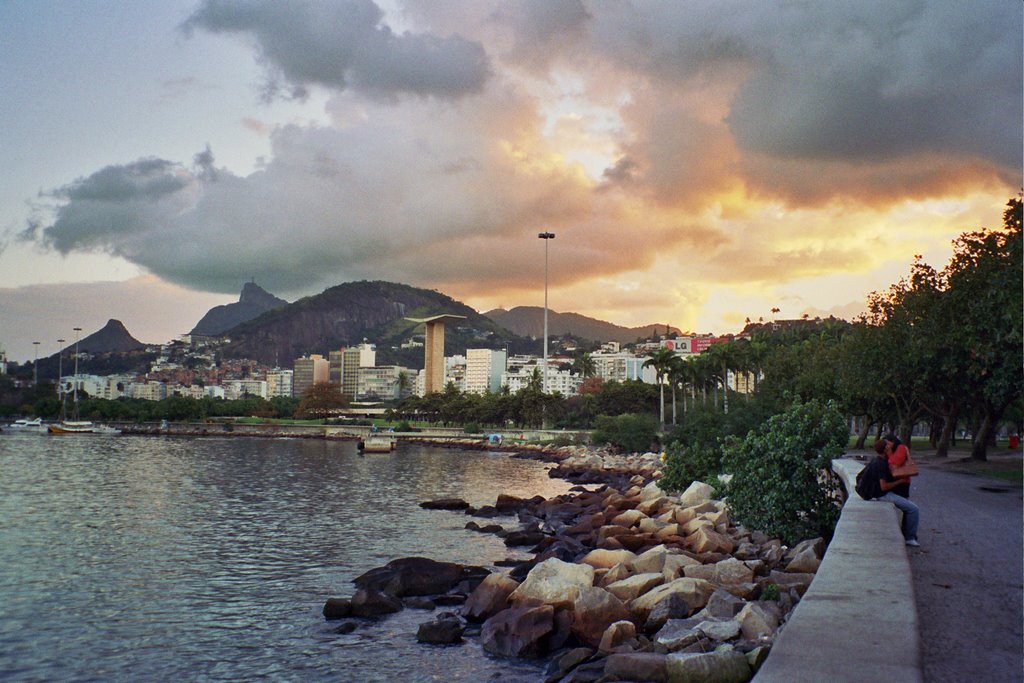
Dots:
(414, 576)
(673, 606)
(445, 504)
(490, 597)
(679, 633)
(553, 582)
(698, 492)
(593, 610)
(634, 586)
(806, 561)
(725, 573)
(636, 666)
(720, 666)
(758, 620)
(606, 559)
(617, 635)
(695, 591)
(337, 608)
(707, 540)
(628, 518)
(519, 631)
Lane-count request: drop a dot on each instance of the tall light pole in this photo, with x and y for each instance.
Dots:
(35, 364)
(546, 236)
(60, 376)
(75, 380)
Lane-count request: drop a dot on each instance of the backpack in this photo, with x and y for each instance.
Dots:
(867, 487)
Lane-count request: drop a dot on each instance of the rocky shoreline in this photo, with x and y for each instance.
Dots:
(626, 581)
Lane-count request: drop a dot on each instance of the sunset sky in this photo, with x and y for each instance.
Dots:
(699, 162)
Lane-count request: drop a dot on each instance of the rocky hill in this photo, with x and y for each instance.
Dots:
(529, 321)
(350, 313)
(253, 302)
(112, 338)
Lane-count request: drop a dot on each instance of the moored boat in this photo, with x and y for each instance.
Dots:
(35, 424)
(82, 427)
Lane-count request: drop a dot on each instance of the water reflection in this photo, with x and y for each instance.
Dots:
(149, 558)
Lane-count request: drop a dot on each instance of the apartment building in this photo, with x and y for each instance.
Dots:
(279, 383)
(309, 370)
(484, 368)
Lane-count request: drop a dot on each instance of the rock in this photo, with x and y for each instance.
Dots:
(628, 518)
(695, 591)
(489, 598)
(805, 562)
(651, 491)
(723, 604)
(726, 572)
(758, 620)
(447, 628)
(706, 540)
(616, 635)
(566, 662)
(414, 576)
(635, 586)
(486, 529)
(815, 545)
(720, 666)
(346, 627)
(517, 538)
(790, 580)
(617, 573)
(593, 610)
(679, 633)
(606, 559)
(673, 606)
(450, 599)
(418, 602)
(368, 602)
(636, 666)
(698, 492)
(509, 505)
(445, 504)
(519, 631)
(652, 506)
(757, 657)
(554, 582)
(337, 608)
(651, 560)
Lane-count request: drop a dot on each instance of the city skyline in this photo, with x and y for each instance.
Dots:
(701, 163)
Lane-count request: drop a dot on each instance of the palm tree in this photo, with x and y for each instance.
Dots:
(661, 361)
(584, 365)
(680, 373)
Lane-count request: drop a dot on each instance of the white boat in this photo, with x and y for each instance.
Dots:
(82, 427)
(35, 424)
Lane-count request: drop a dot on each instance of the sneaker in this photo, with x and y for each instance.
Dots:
(913, 543)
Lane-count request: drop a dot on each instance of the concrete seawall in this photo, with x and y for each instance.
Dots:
(857, 621)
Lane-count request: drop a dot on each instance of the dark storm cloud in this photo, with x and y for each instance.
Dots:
(862, 81)
(343, 44)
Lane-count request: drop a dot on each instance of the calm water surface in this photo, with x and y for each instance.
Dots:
(142, 558)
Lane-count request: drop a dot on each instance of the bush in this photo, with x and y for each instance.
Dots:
(687, 464)
(782, 483)
(630, 433)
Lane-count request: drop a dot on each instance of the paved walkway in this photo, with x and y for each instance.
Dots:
(968, 577)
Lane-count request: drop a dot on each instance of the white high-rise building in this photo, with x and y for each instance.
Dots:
(484, 368)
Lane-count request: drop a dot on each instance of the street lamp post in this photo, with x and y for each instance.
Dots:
(75, 380)
(546, 236)
(35, 364)
(60, 376)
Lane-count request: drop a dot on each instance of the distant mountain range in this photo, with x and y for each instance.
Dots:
(253, 302)
(266, 328)
(528, 321)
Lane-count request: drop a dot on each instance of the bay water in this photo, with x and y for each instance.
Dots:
(159, 558)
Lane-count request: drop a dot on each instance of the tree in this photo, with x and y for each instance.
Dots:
(584, 366)
(320, 401)
(661, 361)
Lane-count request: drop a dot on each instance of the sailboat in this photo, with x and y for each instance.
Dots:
(76, 425)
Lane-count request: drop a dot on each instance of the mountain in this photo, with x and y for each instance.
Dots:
(113, 338)
(529, 321)
(253, 302)
(348, 314)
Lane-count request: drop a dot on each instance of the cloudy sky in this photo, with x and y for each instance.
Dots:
(699, 162)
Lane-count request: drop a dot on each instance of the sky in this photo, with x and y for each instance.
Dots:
(700, 163)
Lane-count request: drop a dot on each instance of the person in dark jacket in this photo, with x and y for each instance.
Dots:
(879, 484)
